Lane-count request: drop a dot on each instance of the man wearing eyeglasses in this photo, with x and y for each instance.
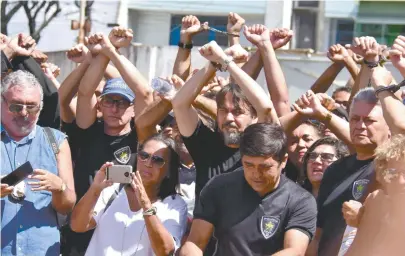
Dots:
(28, 217)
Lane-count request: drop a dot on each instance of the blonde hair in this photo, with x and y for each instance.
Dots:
(391, 150)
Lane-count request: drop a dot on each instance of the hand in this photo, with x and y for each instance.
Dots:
(215, 84)
(79, 54)
(190, 25)
(235, 23)
(51, 70)
(350, 211)
(100, 182)
(177, 82)
(367, 47)
(212, 52)
(338, 53)
(6, 190)
(397, 53)
(257, 34)
(280, 37)
(121, 37)
(380, 76)
(39, 56)
(93, 43)
(4, 40)
(327, 101)
(22, 45)
(310, 105)
(140, 192)
(237, 52)
(46, 181)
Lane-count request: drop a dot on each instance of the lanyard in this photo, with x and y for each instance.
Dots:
(12, 163)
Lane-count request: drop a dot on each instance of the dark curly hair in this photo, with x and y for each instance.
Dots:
(340, 148)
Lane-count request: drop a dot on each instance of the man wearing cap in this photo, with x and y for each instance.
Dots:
(113, 138)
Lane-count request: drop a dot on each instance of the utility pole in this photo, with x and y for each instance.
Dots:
(81, 21)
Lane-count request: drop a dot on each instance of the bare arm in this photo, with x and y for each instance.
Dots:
(186, 116)
(295, 243)
(291, 121)
(161, 241)
(198, 239)
(313, 246)
(82, 218)
(207, 105)
(323, 82)
(254, 65)
(111, 72)
(63, 202)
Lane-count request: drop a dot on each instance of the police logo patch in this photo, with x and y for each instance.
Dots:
(123, 155)
(269, 226)
(359, 188)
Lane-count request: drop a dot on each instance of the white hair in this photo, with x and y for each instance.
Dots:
(22, 79)
(366, 95)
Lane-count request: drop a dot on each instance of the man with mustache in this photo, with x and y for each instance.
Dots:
(28, 217)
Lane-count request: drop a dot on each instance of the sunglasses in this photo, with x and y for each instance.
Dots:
(109, 103)
(156, 160)
(17, 108)
(325, 157)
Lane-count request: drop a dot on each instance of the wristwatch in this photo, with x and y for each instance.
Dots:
(151, 211)
(185, 46)
(62, 187)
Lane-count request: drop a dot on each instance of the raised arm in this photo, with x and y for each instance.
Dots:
(121, 37)
(186, 115)
(190, 26)
(397, 54)
(260, 36)
(393, 108)
(68, 89)
(86, 113)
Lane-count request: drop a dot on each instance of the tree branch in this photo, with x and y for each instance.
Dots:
(46, 22)
(11, 13)
(39, 9)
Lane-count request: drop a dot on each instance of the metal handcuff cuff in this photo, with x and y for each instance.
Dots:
(391, 88)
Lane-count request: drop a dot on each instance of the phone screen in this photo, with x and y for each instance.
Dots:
(18, 174)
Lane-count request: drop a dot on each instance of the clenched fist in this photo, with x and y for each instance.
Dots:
(190, 25)
(22, 45)
(397, 53)
(280, 37)
(237, 52)
(337, 53)
(367, 47)
(235, 23)
(351, 210)
(257, 34)
(212, 52)
(121, 37)
(79, 54)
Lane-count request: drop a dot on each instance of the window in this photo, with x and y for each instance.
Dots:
(344, 32)
(307, 3)
(305, 25)
(383, 33)
(218, 22)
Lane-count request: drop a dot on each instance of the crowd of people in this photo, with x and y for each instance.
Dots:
(220, 166)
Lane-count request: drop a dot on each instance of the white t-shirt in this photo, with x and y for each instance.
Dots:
(120, 231)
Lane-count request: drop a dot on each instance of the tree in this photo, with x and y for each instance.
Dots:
(49, 10)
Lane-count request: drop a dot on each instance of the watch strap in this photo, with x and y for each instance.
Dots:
(185, 46)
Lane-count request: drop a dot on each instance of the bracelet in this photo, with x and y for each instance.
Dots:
(224, 67)
(151, 211)
(392, 88)
(62, 187)
(328, 118)
(185, 46)
(372, 64)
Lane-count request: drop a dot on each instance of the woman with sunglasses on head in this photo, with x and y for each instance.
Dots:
(319, 156)
(147, 217)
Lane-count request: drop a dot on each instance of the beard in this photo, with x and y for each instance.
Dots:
(231, 138)
(24, 125)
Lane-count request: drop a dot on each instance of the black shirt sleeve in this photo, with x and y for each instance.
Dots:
(205, 207)
(303, 216)
(201, 143)
(5, 65)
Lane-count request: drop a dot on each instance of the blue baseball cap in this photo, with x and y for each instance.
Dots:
(119, 87)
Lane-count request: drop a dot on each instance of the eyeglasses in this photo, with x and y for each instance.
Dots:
(109, 103)
(326, 157)
(17, 108)
(156, 160)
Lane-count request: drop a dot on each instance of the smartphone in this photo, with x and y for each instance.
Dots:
(120, 174)
(18, 174)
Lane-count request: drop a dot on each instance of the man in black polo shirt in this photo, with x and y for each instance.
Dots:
(348, 178)
(254, 210)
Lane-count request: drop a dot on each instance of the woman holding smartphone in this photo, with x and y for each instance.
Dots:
(147, 217)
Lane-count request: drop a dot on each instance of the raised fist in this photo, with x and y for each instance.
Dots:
(121, 37)
(257, 34)
(79, 53)
(338, 53)
(97, 43)
(367, 47)
(212, 52)
(237, 52)
(190, 25)
(50, 70)
(22, 45)
(4, 40)
(280, 37)
(235, 23)
(39, 56)
(397, 53)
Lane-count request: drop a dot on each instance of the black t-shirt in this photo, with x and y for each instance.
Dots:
(210, 155)
(344, 180)
(93, 148)
(247, 224)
